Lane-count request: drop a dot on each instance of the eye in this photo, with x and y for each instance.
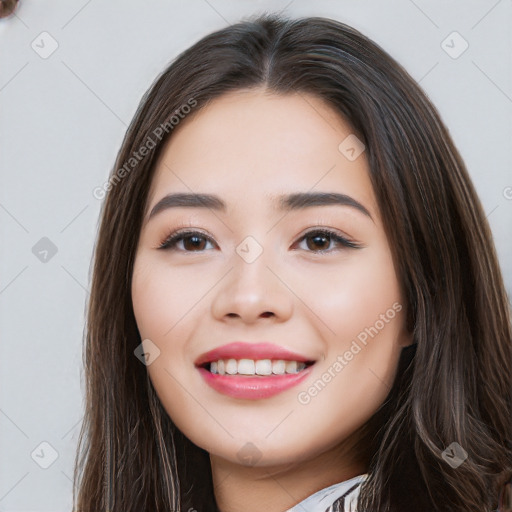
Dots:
(193, 241)
(322, 238)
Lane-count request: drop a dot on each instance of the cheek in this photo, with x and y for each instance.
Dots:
(162, 296)
(166, 305)
(151, 298)
(362, 315)
(351, 296)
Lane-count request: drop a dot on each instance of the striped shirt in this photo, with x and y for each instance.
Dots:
(340, 497)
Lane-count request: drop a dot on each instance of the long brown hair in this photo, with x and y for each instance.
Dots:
(453, 386)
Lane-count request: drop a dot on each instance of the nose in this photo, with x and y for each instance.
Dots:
(252, 291)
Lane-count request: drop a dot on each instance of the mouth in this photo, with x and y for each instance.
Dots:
(253, 370)
(255, 367)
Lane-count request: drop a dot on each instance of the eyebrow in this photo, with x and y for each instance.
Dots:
(288, 202)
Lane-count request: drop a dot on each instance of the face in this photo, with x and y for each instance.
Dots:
(314, 277)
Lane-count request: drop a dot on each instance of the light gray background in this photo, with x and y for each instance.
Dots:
(62, 121)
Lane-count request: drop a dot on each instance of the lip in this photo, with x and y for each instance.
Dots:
(244, 350)
(253, 388)
(247, 387)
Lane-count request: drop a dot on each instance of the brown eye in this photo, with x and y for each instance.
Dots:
(193, 241)
(320, 240)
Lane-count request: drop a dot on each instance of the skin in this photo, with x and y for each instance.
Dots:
(246, 147)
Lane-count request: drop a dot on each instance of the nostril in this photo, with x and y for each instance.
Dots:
(266, 314)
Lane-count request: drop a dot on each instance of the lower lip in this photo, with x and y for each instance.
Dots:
(253, 387)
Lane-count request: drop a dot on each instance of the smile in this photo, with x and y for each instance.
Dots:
(253, 370)
(240, 380)
(255, 367)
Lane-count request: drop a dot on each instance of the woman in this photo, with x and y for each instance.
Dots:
(296, 301)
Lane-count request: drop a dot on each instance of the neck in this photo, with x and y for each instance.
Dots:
(279, 487)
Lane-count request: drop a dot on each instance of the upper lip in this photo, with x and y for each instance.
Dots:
(245, 350)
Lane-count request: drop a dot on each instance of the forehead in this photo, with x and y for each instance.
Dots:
(252, 145)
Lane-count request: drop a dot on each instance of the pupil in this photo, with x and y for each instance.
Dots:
(320, 237)
(196, 244)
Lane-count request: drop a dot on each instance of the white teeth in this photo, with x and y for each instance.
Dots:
(294, 366)
(255, 367)
(231, 366)
(264, 367)
(246, 367)
(279, 367)
(291, 366)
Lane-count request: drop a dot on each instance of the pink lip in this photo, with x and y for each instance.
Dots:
(243, 350)
(261, 386)
(253, 387)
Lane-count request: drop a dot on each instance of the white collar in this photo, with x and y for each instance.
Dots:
(321, 500)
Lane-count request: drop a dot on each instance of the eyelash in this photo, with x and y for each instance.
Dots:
(170, 242)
